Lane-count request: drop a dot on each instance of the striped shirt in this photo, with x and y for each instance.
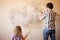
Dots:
(49, 19)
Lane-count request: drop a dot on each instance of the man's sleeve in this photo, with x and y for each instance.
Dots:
(43, 16)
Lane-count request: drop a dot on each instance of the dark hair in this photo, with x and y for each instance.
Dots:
(19, 28)
(49, 5)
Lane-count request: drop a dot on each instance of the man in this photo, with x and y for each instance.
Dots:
(49, 22)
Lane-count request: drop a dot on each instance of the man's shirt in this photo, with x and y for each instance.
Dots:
(49, 19)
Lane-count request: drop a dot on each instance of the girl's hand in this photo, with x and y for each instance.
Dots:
(26, 36)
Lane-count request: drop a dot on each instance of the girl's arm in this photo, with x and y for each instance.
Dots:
(23, 38)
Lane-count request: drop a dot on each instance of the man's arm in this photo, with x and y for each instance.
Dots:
(42, 16)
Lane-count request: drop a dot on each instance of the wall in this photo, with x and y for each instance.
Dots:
(6, 27)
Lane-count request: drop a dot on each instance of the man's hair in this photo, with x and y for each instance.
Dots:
(49, 5)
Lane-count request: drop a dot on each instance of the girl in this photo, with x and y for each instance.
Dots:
(18, 34)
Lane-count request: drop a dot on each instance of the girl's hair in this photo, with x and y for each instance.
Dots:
(17, 30)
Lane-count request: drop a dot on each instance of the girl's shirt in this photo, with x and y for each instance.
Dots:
(17, 38)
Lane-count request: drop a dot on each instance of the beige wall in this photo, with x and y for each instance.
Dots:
(6, 27)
